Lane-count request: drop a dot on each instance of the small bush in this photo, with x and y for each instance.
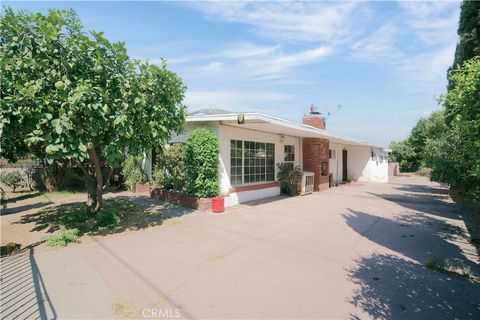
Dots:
(107, 219)
(132, 171)
(158, 177)
(12, 179)
(201, 163)
(456, 266)
(63, 238)
(173, 162)
(424, 171)
(10, 248)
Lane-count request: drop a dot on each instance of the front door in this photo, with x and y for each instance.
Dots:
(344, 166)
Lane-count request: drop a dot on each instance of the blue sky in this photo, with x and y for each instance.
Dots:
(384, 62)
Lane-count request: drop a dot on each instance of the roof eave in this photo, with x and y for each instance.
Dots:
(281, 122)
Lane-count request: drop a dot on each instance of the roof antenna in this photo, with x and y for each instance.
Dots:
(332, 113)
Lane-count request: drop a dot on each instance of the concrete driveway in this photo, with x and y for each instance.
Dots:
(356, 251)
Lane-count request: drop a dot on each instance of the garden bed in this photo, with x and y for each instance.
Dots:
(182, 199)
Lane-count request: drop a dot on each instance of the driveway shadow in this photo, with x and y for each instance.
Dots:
(431, 203)
(435, 201)
(418, 237)
(420, 188)
(254, 203)
(390, 287)
(38, 205)
(24, 295)
(21, 196)
(135, 213)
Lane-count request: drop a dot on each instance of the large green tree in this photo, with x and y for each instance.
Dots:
(455, 157)
(78, 100)
(468, 45)
(468, 32)
(405, 155)
(411, 152)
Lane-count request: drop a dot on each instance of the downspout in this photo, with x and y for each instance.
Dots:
(336, 160)
(300, 153)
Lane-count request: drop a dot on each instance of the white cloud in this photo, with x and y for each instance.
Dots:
(169, 61)
(432, 22)
(297, 21)
(424, 9)
(380, 44)
(418, 34)
(277, 66)
(420, 47)
(428, 69)
(240, 50)
(273, 65)
(246, 50)
(213, 67)
(232, 100)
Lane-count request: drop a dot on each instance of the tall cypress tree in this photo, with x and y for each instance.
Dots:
(469, 32)
(469, 43)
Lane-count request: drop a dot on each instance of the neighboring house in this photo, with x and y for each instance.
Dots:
(250, 150)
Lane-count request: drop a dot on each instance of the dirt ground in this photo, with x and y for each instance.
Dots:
(14, 214)
(25, 218)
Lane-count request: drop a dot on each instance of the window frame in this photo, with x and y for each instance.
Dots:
(289, 163)
(252, 169)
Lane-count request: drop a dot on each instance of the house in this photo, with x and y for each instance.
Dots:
(252, 143)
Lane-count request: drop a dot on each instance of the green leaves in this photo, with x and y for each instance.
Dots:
(60, 85)
(458, 156)
(201, 161)
(50, 149)
(120, 120)
(84, 88)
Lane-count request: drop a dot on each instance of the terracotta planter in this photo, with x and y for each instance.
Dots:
(182, 199)
(143, 188)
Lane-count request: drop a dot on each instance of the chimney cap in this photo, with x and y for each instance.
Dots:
(313, 109)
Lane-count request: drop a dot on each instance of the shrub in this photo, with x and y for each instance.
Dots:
(63, 238)
(10, 248)
(174, 167)
(424, 171)
(455, 266)
(53, 177)
(201, 163)
(12, 179)
(108, 218)
(132, 171)
(158, 177)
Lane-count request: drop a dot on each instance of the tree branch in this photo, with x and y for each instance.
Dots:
(109, 176)
(82, 167)
(72, 173)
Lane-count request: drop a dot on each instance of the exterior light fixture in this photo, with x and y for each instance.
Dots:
(241, 118)
(282, 138)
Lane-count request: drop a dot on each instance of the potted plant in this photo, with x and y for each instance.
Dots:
(289, 178)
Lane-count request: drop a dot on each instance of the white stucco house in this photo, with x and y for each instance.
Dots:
(252, 143)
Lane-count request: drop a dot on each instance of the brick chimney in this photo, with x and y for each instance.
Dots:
(314, 118)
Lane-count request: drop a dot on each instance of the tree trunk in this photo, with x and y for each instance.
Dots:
(98, 176)
(91, 198)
